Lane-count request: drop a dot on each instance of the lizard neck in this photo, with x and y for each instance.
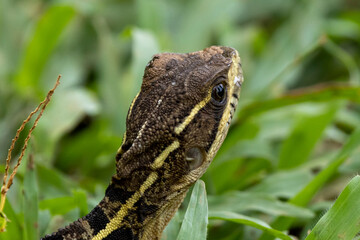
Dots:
(123, 214)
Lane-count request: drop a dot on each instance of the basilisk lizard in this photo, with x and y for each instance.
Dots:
(174, 127)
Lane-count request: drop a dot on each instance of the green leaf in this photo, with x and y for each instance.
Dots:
(196, 215)
(31, 228)
(172, 229)
(307, 193)
(283, 184)
(195, 27)
(73, 104)
(245, 149)
(242, 156)
(297, 148)
(144, 47)
(14, 228)
(52, 183)
(46, 36)
(343, 218)
(346, 59)
(315, 94)
(58, 206)
(66, 110)
(80, 200)
(44, 221)
(253, 222)
(343, 28)
(111, 83)
(276, 59)
(62, 205)
(245, 201)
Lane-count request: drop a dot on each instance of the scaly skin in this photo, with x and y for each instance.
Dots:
(175, 126)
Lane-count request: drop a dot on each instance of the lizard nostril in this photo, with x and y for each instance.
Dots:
(228, 52)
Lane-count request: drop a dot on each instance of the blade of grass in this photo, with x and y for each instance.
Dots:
(81, 202)
(110, 88)
(42, 44)
(253, 222)
(196, 215)
(31, 228)
(283, 183)
(14, 229)
(342, 220)
(172, 229)
(297, 148)
(318, 93)
(307, 193)
(246, 201)
(62, 205)
(346, 59)
(306, 18)
(58, 206)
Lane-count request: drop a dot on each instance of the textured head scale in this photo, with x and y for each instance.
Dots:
(176, 104)
(175, 126)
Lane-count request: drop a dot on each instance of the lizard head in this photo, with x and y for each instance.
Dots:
(178, 121)
(174, 127)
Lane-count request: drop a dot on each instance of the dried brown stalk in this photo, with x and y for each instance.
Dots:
(8, 182)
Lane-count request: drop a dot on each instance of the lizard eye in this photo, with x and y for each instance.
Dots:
(218, 93)
(194, 157)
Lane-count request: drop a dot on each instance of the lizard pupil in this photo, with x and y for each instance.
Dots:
(218, 93)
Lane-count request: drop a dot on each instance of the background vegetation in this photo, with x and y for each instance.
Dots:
(290, 152)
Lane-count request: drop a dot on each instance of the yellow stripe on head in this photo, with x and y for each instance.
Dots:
(120, 150)
(129, 113)
(159, 161)
(190, 117)
(132, 104)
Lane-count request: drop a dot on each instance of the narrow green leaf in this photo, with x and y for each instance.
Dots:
(346, 59)
(81, 202)
(307, 193)
(245, 201)
(307, 19)
(245, 149)
(31, 228)
(315, 94)
(299, 145)
(195, 27)
(283, 184)
(144, 47)
(343, 218)
(342, 27)
(151, 15)
(111, 82)
(73, 104)
(58, 206)
(172, 229)
(253, 222)
(14, 228)
(45, 38)
(62, 205)
(44, 221)
(196, 215)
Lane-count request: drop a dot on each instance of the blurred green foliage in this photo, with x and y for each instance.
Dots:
(283, 162)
